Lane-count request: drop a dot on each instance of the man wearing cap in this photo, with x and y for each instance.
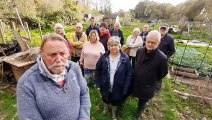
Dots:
(167, 42)
(104, 35)
(93, 26)
(117, 32)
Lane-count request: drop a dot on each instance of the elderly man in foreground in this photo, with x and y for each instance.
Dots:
(54, 88)
(150, 68)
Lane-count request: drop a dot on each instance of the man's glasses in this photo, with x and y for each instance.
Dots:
(59, 28)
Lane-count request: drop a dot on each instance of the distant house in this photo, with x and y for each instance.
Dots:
(110, 20)
(87, 17)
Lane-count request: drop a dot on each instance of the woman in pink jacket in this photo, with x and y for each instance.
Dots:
(91, 52)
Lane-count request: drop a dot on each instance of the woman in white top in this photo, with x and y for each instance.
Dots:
(134, 42)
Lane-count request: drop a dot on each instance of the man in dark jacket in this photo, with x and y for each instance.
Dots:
(144, 33)
(117, 32)
(151, 66)
(93, 26)
(167, 42)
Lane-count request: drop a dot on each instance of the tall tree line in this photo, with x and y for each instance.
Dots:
(192, 10)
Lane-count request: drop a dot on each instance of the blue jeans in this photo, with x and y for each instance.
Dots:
(88, 73)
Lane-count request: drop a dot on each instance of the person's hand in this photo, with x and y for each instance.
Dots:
(80, 42)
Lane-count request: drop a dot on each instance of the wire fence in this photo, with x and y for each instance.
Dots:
(193, 47)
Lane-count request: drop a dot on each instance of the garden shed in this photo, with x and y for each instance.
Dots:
(110, 20)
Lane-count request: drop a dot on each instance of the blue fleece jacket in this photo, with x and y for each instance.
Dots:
(40, 98)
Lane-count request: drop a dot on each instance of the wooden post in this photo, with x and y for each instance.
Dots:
(21, 21)
(28, 34)
(13, 25)
(2, 32)
(39, 26)
(24, 46)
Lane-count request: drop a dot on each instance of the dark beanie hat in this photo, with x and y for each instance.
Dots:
(104, 25)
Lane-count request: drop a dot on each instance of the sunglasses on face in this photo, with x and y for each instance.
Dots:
(59, 28)
(78, 27)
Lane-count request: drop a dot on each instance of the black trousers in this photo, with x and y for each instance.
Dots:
(142, 104)
(133, 60)
(76, 59)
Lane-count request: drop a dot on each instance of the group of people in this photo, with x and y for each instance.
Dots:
(57, 88)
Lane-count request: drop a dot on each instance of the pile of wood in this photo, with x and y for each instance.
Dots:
(22, 61)
(185, 72)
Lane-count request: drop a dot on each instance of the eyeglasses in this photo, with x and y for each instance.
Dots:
(59, 28)
(78, 27)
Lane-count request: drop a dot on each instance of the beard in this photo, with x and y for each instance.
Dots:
(57, 68)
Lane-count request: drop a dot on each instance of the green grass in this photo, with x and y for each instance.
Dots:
(164, 106)
(7, 106)
(193, 57)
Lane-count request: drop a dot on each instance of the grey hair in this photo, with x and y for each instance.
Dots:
(154, 33)
(59, 25)
(117, 23)
(136, 30)
(52, 37)
(79, 25)
(114, 39)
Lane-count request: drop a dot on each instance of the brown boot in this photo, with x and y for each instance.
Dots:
(114, 112)
(106, 107)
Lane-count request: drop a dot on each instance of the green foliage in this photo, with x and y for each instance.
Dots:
(193, 57)
(47, 12)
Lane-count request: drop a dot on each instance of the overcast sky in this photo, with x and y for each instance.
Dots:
(130, 4)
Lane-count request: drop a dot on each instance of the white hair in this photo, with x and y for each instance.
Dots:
(79, 25)
(154, 33)
(117, 23)
(114, 39)
(136, 30)
(59, 25)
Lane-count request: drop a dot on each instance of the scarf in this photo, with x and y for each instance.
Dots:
(105, 33)
(78, 35)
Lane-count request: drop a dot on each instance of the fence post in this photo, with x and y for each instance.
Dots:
(205, 55)
(28, 33)
(21, 21)
(13, 26)
(2, 31)
(40, 31)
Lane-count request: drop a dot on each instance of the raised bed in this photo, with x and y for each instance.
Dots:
(22, 61)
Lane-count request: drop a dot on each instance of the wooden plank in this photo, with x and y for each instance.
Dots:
(24, 46)
(28, 33)
(2, 32)
(40, 31)
(20, 21)
(13, 24)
